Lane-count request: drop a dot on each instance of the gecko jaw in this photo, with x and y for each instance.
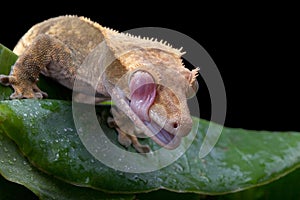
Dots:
(142, 95)
(162, 136)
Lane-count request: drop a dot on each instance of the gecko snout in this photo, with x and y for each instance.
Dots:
(179, 126)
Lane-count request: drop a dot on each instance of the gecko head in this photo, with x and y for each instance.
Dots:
(157, 86)
(162, 103)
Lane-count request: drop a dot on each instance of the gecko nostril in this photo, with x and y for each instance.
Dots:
(175, 125)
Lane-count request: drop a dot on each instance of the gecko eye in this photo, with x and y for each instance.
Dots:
(192, 90)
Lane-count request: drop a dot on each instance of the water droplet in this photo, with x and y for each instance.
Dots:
(174, 180)
(159, 180)
(56, 156)
(5, 149)
(178, 167)
(87, 180)
(10, 170)
(92, 161)
(25, 115)
(137, 178)
(2, 161)
(68, 129)
(25, 163)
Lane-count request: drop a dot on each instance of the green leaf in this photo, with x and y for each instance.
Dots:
(7, 59)
(14, 167)
(286, 187)
(45, 133)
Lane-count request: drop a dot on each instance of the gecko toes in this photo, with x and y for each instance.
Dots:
(16, 96)
(124, 139)
(42, 94)
(111, 122)
(38, 95)
(4, 80)
(142, 148)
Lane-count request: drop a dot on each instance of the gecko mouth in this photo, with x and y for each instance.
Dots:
(161, 134)
(142, 95)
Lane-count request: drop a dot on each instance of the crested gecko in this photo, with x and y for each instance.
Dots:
(145, 78)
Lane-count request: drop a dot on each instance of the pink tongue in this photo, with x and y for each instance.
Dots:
(142, 94)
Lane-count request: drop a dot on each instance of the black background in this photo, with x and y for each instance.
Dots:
(254, 47)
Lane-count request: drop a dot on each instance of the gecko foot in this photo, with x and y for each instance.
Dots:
(128, 139)
(22, 89)
(39, 94)
(138, 146)
(34, 95)
(28, 94)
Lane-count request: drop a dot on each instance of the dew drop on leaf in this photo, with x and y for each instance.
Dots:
(87, 180)
(56, 157)
(178, 167)
(5, 149)
(137, 178)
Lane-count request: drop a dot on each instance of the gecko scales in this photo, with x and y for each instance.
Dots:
(145, 78)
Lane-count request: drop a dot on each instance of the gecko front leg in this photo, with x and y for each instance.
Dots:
(127, 131)
(47, 55)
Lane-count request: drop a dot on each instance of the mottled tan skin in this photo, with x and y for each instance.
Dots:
(58, 48)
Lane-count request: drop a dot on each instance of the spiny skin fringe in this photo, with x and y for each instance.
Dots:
(195, 73)
(155, 40)
(95, 24)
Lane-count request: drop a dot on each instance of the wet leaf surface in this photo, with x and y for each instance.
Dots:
(45, 133)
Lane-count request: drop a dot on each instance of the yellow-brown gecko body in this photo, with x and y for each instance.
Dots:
(145, 78)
